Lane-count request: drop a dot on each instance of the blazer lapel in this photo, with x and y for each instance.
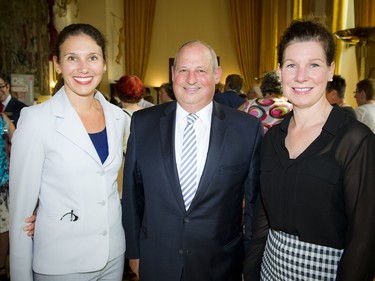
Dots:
(167, 133)
(69, 124)
(114, 127)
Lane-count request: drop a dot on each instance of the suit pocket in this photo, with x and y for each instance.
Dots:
(231, 170)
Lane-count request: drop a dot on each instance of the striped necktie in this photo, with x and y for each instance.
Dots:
(188, 171)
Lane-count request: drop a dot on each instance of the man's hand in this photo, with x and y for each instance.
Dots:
(134, 265)
(30, 228)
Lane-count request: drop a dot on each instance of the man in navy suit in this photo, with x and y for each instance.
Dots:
(232, 87)
(167, 240)
(9, 105)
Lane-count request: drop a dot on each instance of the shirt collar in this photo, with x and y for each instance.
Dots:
(204, 114)
(6, 101)
(332, 124)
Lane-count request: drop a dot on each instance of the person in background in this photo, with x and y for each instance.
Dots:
(254, 92)
(147, 100)
(66, 154)
(273, 107)
(365, 97)
(129, 90)
(8, 104)
(219, 88)
(335, 94)
(232, 89)
(166, 93)
(176, 231)
(6, 132)
(314, 219)
(242, 95)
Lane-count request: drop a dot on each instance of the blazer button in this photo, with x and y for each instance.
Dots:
(187, 219)
(180, 251)
(101, 203)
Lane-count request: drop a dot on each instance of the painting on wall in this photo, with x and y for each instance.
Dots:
(24, 41)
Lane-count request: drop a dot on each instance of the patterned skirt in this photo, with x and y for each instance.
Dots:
(287, 258)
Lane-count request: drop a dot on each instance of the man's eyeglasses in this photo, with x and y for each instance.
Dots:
(3, 86)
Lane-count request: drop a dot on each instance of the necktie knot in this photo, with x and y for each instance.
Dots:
(191, 118)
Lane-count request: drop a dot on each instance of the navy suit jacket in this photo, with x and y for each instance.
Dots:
(229, 98)
(205, 242)
(13, 110)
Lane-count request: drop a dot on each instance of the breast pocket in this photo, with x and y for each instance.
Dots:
(233, 169)
(318, 182)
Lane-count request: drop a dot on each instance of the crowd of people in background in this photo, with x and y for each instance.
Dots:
(206, 182)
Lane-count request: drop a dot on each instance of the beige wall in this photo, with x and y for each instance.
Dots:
(176, 21)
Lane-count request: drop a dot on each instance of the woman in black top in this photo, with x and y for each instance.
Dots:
(315, 217)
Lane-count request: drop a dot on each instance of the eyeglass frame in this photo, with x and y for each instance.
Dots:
(3, 86)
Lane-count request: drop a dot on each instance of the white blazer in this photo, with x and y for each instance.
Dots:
(55, 164)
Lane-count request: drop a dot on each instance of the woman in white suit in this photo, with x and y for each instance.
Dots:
(66, 154)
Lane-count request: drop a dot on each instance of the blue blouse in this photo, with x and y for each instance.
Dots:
(101, 144)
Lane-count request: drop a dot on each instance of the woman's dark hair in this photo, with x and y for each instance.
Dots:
(309, 29)
(271, 84)
(130, 89)
(338, 83)
(5, 78)
(76, 29)
(368, 86)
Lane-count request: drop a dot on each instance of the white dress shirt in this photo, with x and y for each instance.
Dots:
(202, 128)
(6, 101)
(366, 114)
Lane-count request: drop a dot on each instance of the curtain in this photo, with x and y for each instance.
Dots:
(257, 26)
(274, 22)
(297, 9)
(139, 17)
(364, 13)
(246, 27)
(303, 8)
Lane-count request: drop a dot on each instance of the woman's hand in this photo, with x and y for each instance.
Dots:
(30, 227)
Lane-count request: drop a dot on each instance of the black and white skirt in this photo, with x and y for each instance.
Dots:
(287, 258)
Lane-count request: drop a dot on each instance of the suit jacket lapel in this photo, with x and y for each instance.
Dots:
(167, 133)
(218, 129)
